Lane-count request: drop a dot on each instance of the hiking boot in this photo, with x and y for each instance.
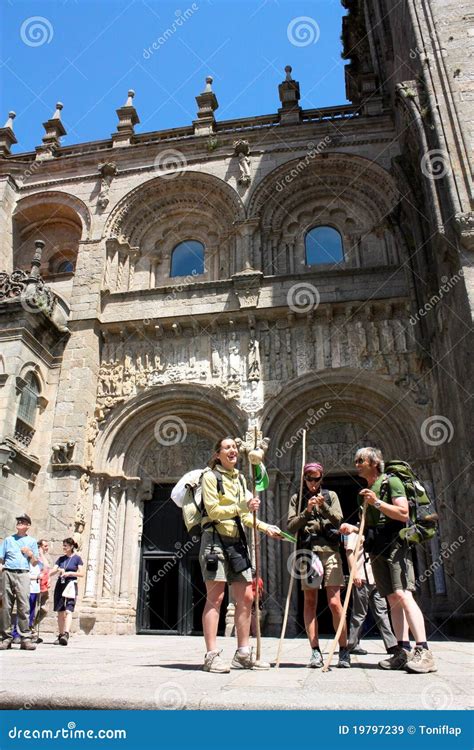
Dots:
(27, 645)
(63, 639)
(316, 661)
(344, 658)
(6, 644)
(357, 651)
(421, 661)
(248, 661)
(397, 661)
(56, 642)
(214, 663)
(16, 640)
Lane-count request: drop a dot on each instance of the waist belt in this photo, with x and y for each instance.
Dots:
(17, 570)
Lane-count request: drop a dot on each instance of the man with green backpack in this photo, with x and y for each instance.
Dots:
(394, 520)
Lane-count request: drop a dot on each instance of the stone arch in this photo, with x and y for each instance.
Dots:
(350, 193)
(59, 219)
(373, 406)
(158, 214)
(167, 413)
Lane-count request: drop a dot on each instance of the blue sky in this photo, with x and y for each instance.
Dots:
(88, 54)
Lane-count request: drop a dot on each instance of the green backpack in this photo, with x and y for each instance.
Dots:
(422, 523)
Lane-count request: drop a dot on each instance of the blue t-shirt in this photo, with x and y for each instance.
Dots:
(11, 554)
(69, 564)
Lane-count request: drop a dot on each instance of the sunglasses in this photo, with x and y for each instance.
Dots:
(360, 460)
(313, 479)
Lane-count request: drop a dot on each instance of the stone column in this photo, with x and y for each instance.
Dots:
(110, 540)
(90, 591)
(119, 548)
(130, 533)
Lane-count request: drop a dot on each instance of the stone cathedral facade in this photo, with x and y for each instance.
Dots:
(306, 269)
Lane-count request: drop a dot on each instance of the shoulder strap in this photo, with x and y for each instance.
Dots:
(327, 496)
(220, 483)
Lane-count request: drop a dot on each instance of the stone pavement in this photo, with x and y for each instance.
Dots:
(164, 672)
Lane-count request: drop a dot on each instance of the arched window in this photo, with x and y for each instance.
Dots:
(187, 259)
(66, 266)
(29, 400)
(323, 245)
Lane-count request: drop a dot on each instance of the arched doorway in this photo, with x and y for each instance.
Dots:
(341, 411)
(142, 570)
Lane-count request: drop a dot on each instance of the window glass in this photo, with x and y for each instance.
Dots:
(29, 400)
(187, 259)
(66, 266)
(323, 245)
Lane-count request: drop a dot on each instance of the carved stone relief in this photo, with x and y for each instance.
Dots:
(171, 461)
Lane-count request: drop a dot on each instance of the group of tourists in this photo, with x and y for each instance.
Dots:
(385, 574)
(26, 583)
(382, 570)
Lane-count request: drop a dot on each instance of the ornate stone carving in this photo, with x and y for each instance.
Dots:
(247, 287)
(242, 152)
(107, 171)
(80, 516)
(62, 453)
(465, 226)
(172, 461)
(253, 360)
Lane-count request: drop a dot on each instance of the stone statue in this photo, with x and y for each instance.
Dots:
(234, 358)
(253, 362)
(242, 151)
(107, 173)
(62, 452)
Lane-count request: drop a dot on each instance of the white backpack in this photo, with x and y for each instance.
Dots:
(187, 494)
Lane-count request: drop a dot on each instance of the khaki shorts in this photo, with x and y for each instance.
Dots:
(333, 574)
(395, 572)
(223, 572)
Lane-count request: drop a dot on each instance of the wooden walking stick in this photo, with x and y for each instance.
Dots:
(348, 591)
(257, 559)
(254, 446)
(292, 576)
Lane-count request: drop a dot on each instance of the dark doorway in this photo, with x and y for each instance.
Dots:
(171, 593)
(347, 488)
